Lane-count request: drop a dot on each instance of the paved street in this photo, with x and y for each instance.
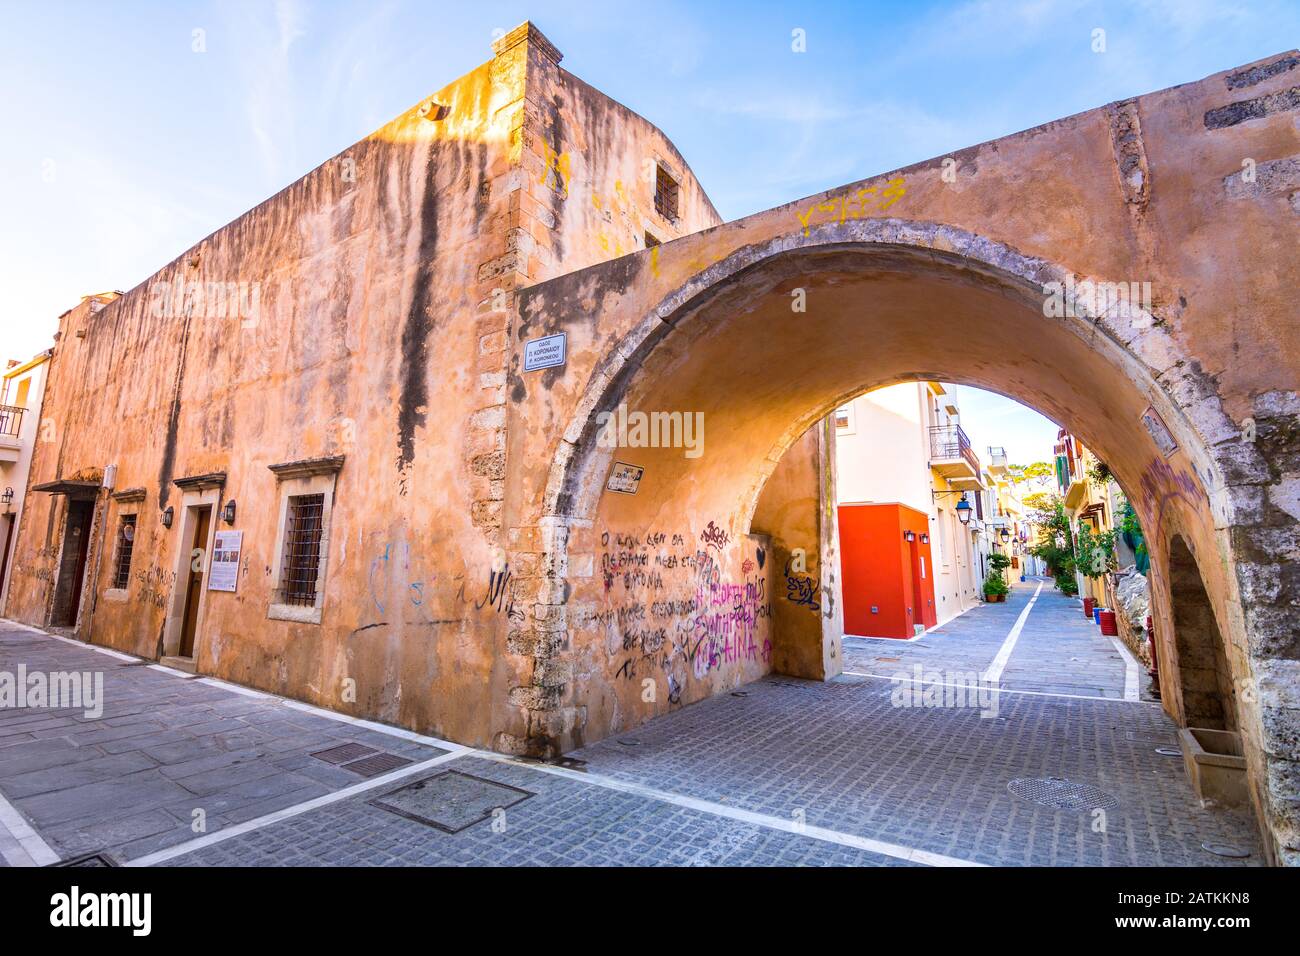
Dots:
(186, 771)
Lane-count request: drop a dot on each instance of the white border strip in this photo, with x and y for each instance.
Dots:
(31, 849)
(185, 675)
(1131, 674)
(234, 688)
(995, 669)
(112, 653)
(766, 820)
(248, 826)
(373, 725)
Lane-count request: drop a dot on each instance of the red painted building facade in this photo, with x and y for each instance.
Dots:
(887, 570)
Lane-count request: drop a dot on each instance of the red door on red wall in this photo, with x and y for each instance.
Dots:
(885, 569)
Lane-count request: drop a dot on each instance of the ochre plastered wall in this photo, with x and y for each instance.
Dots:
(384, 283)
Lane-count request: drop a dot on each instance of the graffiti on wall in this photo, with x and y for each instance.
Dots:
(1162, 485)
(855, 206)
(671, 611)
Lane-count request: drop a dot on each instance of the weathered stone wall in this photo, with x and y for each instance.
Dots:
(383, 284)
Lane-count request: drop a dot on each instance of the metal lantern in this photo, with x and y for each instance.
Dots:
(964, 510)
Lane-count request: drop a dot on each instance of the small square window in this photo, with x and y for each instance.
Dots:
(125, 545)
(300, 566)
(666, 191)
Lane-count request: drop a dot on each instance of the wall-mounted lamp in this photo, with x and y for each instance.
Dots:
(228, 512)
(167, 516)
(925, 539)
(1005, 535)
(7, 498)
(964, 510)
(909, 535)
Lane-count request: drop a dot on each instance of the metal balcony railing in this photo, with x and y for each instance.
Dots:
(949, 441)
(11, 420)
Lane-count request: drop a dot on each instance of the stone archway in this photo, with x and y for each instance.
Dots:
(884, 297)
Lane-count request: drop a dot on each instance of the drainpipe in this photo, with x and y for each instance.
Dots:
(110, 479)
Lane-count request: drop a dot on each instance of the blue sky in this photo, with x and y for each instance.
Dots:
(124, 146)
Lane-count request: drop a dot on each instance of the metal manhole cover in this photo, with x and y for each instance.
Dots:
(451, 801)
(376, 764)
(1225, 849)
(91, 859)
(1062, 794)
(344, 753)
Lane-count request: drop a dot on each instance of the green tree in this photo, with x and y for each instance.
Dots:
(1055, 544)
(1040, 472)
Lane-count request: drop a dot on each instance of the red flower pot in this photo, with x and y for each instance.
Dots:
(1108, 623)
(1088, 605)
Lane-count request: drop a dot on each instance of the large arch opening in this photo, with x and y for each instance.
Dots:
(757, 354)
(759, 350)
(1204, 678)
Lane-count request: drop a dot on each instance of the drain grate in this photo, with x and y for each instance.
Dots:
(451, 801)
(344, 753)
(91, 859)
(1062, 794)
(376, 764)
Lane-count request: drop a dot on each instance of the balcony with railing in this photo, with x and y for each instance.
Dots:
(952, 457)
(11, 427)
(998, 466)
(11, 420)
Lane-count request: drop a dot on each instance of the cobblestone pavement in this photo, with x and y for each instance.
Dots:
(781, 772)
(1059, 652)
(166, 745)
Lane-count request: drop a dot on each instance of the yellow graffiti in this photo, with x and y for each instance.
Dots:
(860, 204)
(557, 172)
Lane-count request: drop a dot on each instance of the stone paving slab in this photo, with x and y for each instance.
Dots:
(564, 823)
(1058, 652)
(129, 781)
(842, 754)
(934, 778)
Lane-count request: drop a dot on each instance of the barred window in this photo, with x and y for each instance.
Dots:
(125, 545)
(666, 194)
(302, 546)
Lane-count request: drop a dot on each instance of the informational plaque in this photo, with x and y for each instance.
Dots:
(223, 569)
(546, 352)
(624, 478)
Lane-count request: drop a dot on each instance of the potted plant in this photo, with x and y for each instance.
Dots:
(995, 589)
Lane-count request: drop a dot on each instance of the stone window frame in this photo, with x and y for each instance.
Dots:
(310, 476)
(129, 503)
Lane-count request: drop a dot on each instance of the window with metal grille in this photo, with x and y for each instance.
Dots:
(302, 544)
(125, 545)
(666, 195)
